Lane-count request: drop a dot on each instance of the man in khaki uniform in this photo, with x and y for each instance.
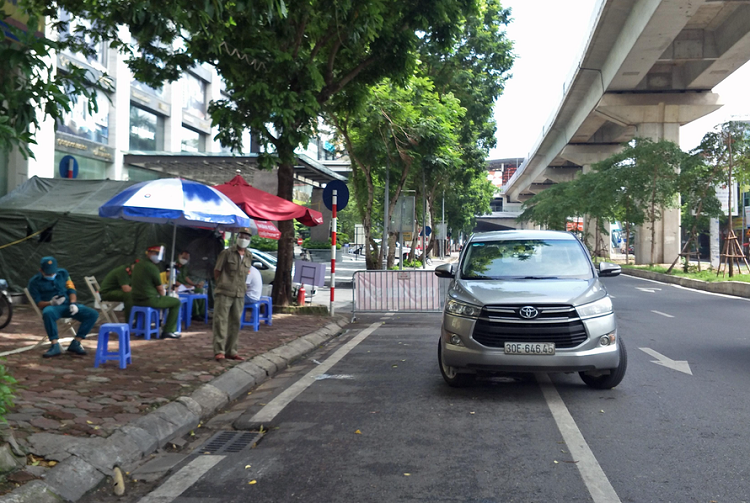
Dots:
(230, 273)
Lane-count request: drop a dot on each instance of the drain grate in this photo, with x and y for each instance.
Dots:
(230, 442)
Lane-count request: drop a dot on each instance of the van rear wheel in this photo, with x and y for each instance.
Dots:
(451, 375)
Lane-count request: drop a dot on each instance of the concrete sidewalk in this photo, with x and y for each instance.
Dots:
(78, 422)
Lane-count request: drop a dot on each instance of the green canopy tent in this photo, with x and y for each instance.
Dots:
(60, 217)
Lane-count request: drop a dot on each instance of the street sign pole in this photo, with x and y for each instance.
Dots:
(333, 249)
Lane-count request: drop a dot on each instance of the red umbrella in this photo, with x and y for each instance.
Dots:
(267, 230)
(261, 205)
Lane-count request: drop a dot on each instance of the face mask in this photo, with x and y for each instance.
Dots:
(243, 243)
(50, 278)
(184, 261)
(154, 258)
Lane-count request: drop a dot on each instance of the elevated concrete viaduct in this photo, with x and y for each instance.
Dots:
(648, 68)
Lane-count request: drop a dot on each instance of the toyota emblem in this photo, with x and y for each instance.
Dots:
(528, 312)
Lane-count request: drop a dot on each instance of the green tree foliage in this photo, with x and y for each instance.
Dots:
(399, 127)
(280, 60)
(29, 85)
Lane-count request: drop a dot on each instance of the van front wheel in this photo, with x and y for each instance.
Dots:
(451, 375)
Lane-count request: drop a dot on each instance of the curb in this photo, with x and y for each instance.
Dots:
(87, 463)
(734, 288)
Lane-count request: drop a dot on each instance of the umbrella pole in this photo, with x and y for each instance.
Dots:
(172, 272)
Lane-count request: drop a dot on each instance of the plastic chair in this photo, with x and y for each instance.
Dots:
(65, 323)
(254, 321)
(123, 351)
(144, 317)
(267, 312)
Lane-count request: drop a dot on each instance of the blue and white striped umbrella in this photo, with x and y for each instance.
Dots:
(176, 201)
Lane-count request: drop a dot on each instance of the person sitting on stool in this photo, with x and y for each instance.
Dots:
(116, 287)
(148, 290)
(254, 285)
(55, 294)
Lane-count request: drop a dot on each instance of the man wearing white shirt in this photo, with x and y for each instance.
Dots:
(254, 284)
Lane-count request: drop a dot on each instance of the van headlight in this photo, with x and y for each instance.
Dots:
(462, 309)
(599, 308)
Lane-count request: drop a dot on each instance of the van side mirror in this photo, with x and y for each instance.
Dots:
(609, 269)
(444, 271)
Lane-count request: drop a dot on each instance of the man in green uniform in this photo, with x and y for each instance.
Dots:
(183, 278)
(230, 272)
(148, 290)
(116, 287)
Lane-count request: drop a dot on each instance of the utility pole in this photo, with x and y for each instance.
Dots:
(444, 233)
(424, 221)
(384, 244)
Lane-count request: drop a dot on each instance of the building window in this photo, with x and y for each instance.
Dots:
(99, 57)
(146, 130)
(85, 123)
(137, 84)
(193, 141)
(194, 96)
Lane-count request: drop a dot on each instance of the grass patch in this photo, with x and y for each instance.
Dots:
(704, 275)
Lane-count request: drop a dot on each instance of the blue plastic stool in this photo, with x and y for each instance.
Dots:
(267, 312)
(191, 297)
(254, 321)
(123, 351)
(144, 317)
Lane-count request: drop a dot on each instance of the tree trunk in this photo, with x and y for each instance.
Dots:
(282, 282)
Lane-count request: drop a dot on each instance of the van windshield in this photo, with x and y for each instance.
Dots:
(526, 259)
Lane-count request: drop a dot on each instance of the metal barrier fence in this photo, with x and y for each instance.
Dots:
(401, 291)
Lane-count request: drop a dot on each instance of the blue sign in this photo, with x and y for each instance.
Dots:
(429, 231)
(342, 195)
(65, 165)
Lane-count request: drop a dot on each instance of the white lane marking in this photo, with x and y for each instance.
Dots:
(712, 293)
(663, 314)
(678, 365)
(389, 314)
(270, 411)
(650, 290)
(593, 476)
(183, 479)
(692, 289)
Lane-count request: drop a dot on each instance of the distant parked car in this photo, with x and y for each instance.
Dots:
(529, 301)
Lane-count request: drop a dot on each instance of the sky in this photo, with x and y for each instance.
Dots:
(549, 37)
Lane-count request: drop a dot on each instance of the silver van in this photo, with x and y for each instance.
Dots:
(529, 301)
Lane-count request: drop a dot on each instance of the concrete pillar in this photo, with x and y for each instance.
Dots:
(658, 116)
(119, 111)
(668, 232)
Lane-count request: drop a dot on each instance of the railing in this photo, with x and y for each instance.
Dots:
(398, 291)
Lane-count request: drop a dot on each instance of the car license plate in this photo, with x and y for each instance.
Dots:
(529, 348)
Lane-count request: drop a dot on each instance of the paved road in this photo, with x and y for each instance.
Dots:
(381, 425)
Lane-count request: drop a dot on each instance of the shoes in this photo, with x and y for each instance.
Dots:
(170, 335)
(235, 357)
(198, 318)
(54, 350)
(219, 357)
(76, 348)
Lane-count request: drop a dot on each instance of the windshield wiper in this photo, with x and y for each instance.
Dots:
(540, 277)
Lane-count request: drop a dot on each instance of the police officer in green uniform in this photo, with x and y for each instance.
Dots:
(116, 287)
(230, 272)
(148, 290)
(183, 278)
(55, 294)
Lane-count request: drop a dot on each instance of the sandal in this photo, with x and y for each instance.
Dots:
(235, 357)
(219, 357)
